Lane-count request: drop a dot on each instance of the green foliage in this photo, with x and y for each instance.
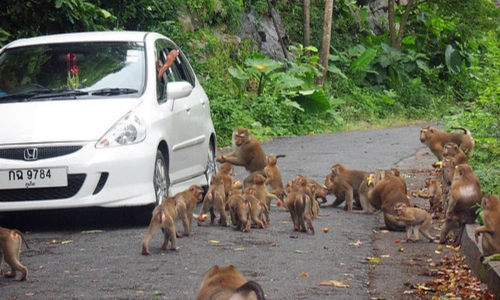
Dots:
(217, 12)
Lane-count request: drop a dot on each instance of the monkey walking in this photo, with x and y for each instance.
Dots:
(228, 284)
(163, 216)
(10, 248)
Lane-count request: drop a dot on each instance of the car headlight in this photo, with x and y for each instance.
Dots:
(129, 130)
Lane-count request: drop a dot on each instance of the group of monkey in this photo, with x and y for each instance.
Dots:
(455, 194)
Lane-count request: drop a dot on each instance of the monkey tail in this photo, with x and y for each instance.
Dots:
(22, 237)
(280, 155)
(465, 130)
(252, 286)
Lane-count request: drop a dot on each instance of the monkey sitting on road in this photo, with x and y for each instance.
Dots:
(416, 220)
(10, 246)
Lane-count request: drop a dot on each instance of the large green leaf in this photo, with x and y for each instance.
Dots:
(364, 60)
(313, 101)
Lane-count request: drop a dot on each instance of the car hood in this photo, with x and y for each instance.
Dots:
(61, 121)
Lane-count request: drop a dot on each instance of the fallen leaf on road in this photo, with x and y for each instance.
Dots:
(29, 294)
(334, 283)
(214, 242)
(139, 292)
(239, 249)
(373, 259)
(66, 242)
(304, 274)
(158, 293)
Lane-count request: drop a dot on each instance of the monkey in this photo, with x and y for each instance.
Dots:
(227, 283)
(273, 176)
(449, 165)
(262, 194)
(347, 181)
(163, 216)
(436, 139)
(465, 192)
(491, 228)
(258, 210)
(299, 206)
(335, 189)
(452, 150)
(10, 248)
(387, 191)
(320, 191)
(239, 209)
(309, 189)
(366, 186)
(435, 195)
(190, 197)
(215, 199)
(247, 152)
(416, 220)
(226, 172)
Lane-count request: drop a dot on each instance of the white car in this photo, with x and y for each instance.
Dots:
(86, 122)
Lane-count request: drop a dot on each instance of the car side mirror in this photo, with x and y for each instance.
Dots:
(178, 89)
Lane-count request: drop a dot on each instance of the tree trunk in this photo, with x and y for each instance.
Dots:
(396, 40)
(392, 23)
(325, 43)
(306, 19)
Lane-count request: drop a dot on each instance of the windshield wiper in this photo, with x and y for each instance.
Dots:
(113, 92)
(43, 94)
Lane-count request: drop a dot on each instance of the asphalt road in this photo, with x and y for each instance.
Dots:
(95, 254)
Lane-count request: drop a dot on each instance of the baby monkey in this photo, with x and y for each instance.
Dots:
(416, 220)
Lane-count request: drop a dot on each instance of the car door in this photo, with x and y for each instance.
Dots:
(177, 123)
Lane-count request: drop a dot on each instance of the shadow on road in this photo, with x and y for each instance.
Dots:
(77, 219)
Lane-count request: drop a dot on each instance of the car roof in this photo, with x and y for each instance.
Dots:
(94, 36)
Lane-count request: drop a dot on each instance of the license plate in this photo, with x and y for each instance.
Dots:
(33, 178)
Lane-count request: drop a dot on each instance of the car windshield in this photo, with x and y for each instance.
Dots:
(72, 69)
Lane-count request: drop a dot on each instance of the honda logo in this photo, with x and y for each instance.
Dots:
(31, 154)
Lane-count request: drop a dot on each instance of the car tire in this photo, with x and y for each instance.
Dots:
(211, 164)
(161, 180)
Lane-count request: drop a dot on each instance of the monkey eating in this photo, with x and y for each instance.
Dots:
(416, 220)
(228, 284)
(10, 248)
(491, 228)
(164, 216)
(215, 199)
(347, 182)
(246, 152)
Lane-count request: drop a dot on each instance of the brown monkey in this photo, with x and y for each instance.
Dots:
(388, 190)
(273, 176)
(366, 186)
(491, 229)
(435, 194)
(262, 194)
(226, 172)
(164, 216)
(258, 211)
(228, 284)
(347, 181)
(190, 197)
(239, 209)
(320, 191)
(449, 165)
(246, 152)
(309, 189)
(215, 199)
(464, 194)
(299, 206)
(436, 139)
(10, 247)
(416, 220)
(453, 150)
(335, 189)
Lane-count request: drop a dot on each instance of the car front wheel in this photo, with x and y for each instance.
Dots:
(161, 180)
(211, 163)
